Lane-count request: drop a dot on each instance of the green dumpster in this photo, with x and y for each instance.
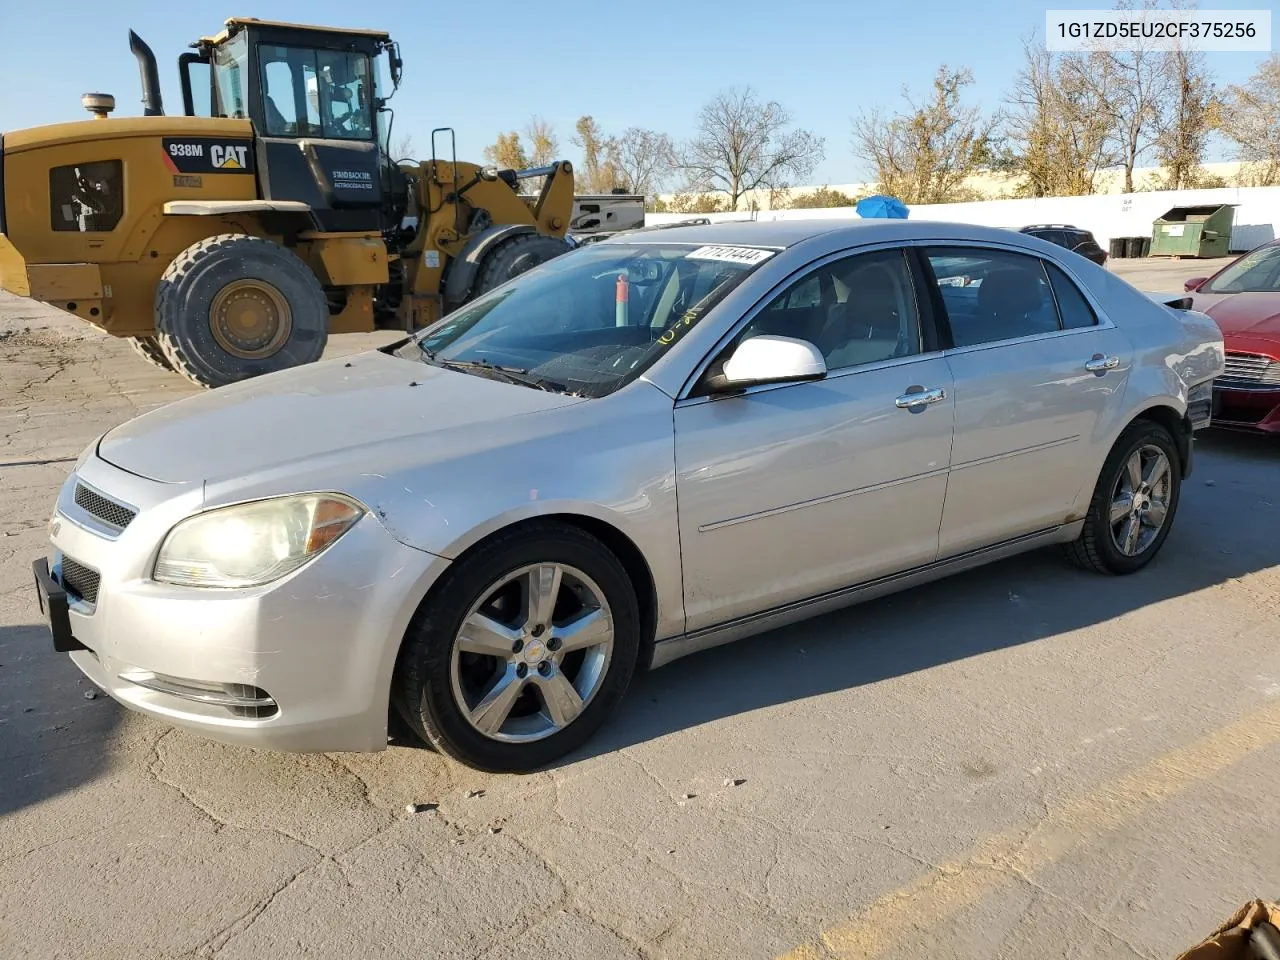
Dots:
(1199, 231)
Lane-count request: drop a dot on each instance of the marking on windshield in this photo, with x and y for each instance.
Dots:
(747, 255)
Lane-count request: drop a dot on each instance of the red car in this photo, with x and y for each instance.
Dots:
(1244, 299)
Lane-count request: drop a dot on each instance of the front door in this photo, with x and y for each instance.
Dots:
(789, 491)
(1038, 377)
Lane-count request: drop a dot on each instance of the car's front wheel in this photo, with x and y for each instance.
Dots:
(522, 651)
(1133, 503)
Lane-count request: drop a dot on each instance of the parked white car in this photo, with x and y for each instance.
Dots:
(646, 447)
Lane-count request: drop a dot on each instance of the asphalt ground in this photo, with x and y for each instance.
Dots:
(1025, 761)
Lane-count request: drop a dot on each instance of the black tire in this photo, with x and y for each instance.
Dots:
(149, 349)
(1095, 549)
(187, 292)
(514, 256)
(422, 689)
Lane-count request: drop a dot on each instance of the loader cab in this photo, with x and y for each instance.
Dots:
(314, 96)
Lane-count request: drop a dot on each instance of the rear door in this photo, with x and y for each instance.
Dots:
(1039, 376)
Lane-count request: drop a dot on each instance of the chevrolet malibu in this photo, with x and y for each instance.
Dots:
(646, 447)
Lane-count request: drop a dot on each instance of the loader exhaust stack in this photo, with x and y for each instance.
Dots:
(152, 104)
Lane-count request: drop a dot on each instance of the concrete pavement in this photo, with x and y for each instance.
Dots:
(1024, 761)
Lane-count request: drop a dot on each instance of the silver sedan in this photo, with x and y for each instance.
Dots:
(648, 446)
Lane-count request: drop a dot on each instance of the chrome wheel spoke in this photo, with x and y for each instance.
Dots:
(1156, 513)
(1156, 471)
(562, 702)
(486, 636)
(589, 630)
(1121, 507)
(1129, 540)
(1133, 471)
(492, 711)
(541, 590)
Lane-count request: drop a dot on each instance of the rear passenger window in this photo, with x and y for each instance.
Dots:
(1072, 305)
(993, 295)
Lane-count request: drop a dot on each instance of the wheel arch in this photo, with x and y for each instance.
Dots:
(1176, 422)
(464, 267)
(1162, 410)
(611, 535)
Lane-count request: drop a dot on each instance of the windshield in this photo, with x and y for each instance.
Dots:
(228, 78)
(316, 93)
(1255, 272)
(591, 320)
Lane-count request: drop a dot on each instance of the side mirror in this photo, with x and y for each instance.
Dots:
(768, 359)
(1194, 283)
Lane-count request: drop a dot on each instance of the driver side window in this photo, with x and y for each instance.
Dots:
(857, 310)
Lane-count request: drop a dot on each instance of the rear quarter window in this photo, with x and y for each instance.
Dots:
(1072, 306)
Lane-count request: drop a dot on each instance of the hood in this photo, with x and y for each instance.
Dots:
(316, 410)
(1255, 315)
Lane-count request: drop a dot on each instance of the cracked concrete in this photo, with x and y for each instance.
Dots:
(928, 751)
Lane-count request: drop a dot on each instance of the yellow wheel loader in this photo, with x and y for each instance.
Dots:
(232, 240)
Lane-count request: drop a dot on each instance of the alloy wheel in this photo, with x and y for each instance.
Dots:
(1140, 500)
(532, 652)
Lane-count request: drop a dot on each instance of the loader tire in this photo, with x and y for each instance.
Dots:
(513, 257)
(148, 348)
(235, 306)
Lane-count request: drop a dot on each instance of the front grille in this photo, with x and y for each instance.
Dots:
(108, 511)
(1250, 369)
(80, 580)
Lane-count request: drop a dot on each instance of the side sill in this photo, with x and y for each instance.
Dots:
(673, 648)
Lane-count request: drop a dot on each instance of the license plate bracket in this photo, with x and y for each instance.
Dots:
(53, 604)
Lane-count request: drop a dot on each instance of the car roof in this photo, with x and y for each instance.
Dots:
(787, 233)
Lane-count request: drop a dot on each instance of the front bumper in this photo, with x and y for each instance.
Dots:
(303, 664)
(1243, 408)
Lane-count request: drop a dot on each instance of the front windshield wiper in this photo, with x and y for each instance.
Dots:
(510, 374)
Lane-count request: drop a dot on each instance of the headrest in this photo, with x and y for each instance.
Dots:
(1010, 291)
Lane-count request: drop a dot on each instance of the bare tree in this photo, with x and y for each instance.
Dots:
(1056, 126)
(1252, 110)
(926, 154)
(1191, 115)
(599, 171)
(543, 145)
(644, 160)
(402, 148)
(742, 144)
(1132, 86)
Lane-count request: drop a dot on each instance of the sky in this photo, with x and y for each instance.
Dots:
(489, 66)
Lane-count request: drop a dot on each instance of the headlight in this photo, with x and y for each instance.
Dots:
(253, 543)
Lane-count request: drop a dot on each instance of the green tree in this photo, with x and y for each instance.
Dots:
(821, 199)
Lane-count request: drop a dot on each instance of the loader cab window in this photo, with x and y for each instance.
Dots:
(228, 78)
(316, 93)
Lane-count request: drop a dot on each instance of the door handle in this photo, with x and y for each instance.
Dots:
(908, 400)
(1100, 364)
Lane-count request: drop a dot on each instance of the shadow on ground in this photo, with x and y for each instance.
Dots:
(1225, 528)
(52, 739)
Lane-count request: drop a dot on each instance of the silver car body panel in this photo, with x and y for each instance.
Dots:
(748, 511)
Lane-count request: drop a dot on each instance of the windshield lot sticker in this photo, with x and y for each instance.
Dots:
(747, 255)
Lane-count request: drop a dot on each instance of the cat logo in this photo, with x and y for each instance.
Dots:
(228, 157)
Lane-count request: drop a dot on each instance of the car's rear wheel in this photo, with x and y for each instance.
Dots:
(1133, 504)
(522, 652)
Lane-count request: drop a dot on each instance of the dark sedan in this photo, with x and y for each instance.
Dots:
(1244, 299)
